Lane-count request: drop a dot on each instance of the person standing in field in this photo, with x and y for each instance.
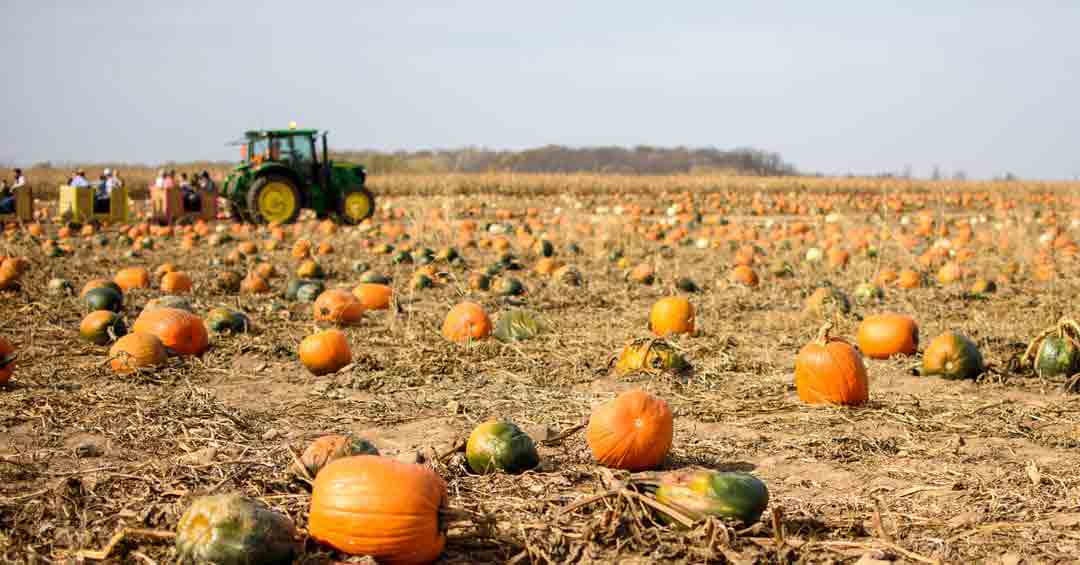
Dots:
(102, 193)
(79, 180)
(7, 198)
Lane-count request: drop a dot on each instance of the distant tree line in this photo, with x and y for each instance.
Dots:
(642, 160)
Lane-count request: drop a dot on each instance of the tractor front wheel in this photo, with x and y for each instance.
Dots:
(357, 204)
(273, 199)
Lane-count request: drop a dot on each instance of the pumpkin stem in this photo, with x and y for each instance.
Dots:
(823, 333)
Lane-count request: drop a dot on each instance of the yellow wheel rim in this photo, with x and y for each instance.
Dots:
(357, 206)
(277, 202)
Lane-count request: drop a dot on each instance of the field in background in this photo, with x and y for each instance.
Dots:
(45, 181)
(930, 470)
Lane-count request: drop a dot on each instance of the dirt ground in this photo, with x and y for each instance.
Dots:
(929, 471)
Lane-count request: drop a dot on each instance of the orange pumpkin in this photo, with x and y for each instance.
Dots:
(338, 306)
(176, 282)
(830, 371)
(373, 296)
(642, 273)
(254, 284)
(466, 321)
(136, 351)
(672, 315)
(181, 331)
(743, 275)
(7, 360)
(909, 279)
(132, 277)
(372, 505)
(325, 352)
(883, 335)
(633, 432)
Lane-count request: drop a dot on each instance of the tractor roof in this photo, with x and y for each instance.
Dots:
(280, 132)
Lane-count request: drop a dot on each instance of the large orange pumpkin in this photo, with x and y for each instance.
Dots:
(7, 360)
(632, 432)
(132, 277)
(830, 371)
(136, 351)
(372, 505)
(373, 296)
(466, 321)
(883, 335)
(325, 352)
(672, 315)
(338, 306)
(181, 331)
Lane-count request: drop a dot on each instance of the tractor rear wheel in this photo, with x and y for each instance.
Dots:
(357, 204)
(273, 199)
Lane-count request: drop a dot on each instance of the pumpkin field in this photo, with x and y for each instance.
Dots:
(522, 368)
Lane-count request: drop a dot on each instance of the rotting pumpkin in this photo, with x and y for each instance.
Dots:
(232, 529)
(326, 449)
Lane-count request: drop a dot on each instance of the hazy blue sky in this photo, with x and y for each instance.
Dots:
(981, 86)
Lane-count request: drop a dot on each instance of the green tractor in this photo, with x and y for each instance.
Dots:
(281, 173)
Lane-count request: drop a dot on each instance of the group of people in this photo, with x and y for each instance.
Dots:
(107, 182)
(166, 179)
(7, 192)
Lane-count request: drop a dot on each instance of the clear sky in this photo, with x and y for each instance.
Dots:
(982, 86)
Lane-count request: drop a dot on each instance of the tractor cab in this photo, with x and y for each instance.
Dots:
(282, 171)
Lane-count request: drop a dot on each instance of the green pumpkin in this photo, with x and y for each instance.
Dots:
(309, 291)
(374, 278)
(231, 529)
(421, 281)
(868, 292)
(224, 320)
(518, 325)
(423, 256)
(104, 298)
(60, 286)
(447, 254)
(500, 446)
(508, 286)
(687, 285)
(293, 287)
(359, 266)
(701, 493)
(1058, 356)
(169, 301)
(401, 257)
(544, 248)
